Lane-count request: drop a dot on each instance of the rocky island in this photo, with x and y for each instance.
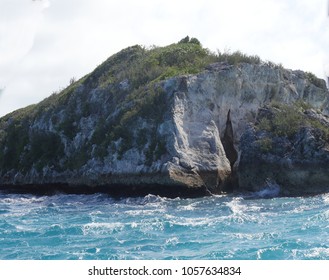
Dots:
(175, 121)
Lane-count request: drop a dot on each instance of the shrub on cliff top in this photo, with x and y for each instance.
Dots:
(238, 57)
(320, 83)
(140, 65)
(286, 120)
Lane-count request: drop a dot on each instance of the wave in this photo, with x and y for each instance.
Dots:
(99, 228)
(143, 200)
(270, 190)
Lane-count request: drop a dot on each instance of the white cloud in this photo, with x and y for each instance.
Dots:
(19, 22)
(48, 42)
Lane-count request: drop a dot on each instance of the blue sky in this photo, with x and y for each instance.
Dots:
(44, 43)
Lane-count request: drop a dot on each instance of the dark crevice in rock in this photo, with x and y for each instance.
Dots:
(228, 141)
(231, 154)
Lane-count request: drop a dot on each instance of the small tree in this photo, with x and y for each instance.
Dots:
(72, 80)
(195, 41)
(187, 40)
(184, 40)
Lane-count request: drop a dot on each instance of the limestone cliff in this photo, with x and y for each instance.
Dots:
(149, 121)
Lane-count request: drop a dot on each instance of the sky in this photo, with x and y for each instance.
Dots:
(45, 43)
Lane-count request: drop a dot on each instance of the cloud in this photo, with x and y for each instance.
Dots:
(1, 91)
(48, 42)
(19, 22)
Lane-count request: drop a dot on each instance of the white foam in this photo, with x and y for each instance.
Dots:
(101, 228)
(270, 190)
(96, 212)
(323, 216)
(326, 198)
(189, 207)
(172, 241)
(318, 252)
(22, 200)
(236, 206)
(204, 221)
(149, 199)
(134, 225)
(146, 212)
(242, 213)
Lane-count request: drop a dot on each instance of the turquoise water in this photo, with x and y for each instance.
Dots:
(218, 227)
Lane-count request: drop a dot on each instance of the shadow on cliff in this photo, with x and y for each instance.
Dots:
(232, 154)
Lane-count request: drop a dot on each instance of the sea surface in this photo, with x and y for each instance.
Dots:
(97, 226)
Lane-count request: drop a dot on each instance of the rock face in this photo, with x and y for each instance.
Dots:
(298, 163)
(183, 136)
(292, 164)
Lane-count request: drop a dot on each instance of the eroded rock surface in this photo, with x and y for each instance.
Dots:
(297, 162)
(185, 137)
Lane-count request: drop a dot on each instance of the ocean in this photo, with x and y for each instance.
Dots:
(225, 227)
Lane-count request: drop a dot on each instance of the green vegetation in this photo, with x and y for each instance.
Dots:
(315, 123)
(20, 114)
(287, 120)
(141, 69)
(264, 124)
(238, 57)
(129, 84)
(46, 149)
(140, 65)
(78, 158)
(148, 104)
(302, 105)
(265, 144)
(68, 126)
(15, 138)
(21, 148)
(315, 80)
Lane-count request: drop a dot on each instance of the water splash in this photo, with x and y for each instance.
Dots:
(270, 190)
